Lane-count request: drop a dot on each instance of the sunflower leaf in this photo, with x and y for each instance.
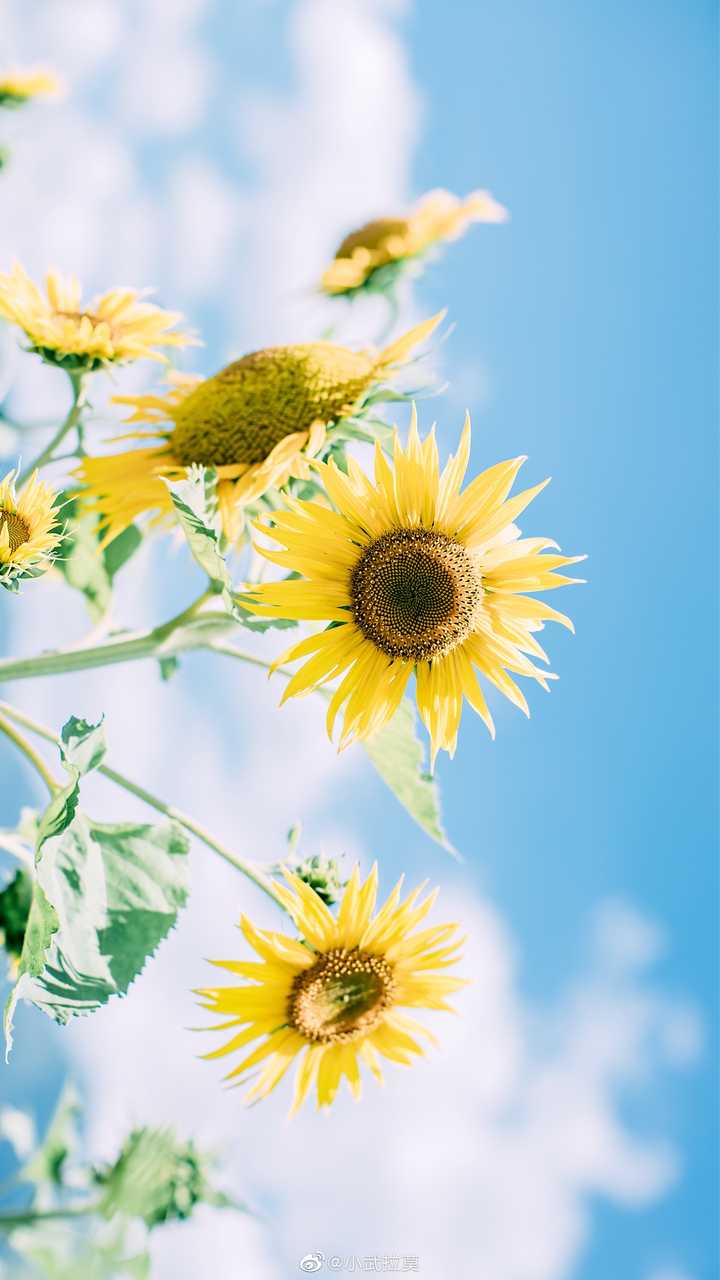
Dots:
(104, 896)
(84, 564)
(399, 757)
(195, 502)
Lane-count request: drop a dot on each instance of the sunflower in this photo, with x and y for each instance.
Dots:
(335, 994)
(373, 256)
(29, 530)
(114, 329)
(413, 576)
(256, 423)
(18, 87)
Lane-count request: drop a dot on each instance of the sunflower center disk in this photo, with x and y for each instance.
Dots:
(373, 235)
(18, 531)
(341, 997)
(416, 594)
(242, 413)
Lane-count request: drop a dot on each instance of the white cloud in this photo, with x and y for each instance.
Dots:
(337, 151)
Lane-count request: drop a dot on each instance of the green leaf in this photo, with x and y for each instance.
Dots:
(15, 900)
(85, 565)
(103, 897)
(111, 894)
(399, 757)
(195, 503)
(122, 548)
(84, 745)
(168, 667)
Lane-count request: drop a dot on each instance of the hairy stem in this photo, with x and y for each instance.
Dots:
(249, 869)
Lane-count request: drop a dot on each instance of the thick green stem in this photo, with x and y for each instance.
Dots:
(249, 869)
(142, 645)
(26, 1218)
(30, 754)
(73, 419)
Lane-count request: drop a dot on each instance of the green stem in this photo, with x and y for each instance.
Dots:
(73, 418)
(249, 869)
(110, 652)
(30, 754)
(8, 1221)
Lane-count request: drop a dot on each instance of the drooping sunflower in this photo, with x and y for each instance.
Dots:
(256, 423)
(373, 256)
(333, 998)
(18, 87)
(29, 530)
(414, 576)
(115, 328)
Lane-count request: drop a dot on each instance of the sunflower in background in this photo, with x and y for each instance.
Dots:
(332, 999)
(19, 87)
(115, 328)
(414, 576)
(30, 531)
(256, 424)
(373, 257)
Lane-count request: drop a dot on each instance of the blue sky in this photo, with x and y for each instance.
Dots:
(585, 337)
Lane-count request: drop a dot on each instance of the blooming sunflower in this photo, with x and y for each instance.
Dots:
(256, 423)
(18, 87)
(413, 575)
(29, 530)
(114, 329)
(372, 256)
(335, 994)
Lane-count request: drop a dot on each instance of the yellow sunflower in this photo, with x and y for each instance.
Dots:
(29, 530)
(372, 256)
(333, 997)
(114, 329)
(413, 576)
(17, 87)
(257, 423)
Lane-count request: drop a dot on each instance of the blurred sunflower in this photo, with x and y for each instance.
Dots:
(373, 256)
(18, 87)
(256, 423)
(114, 329)
(29, 530)
(413, 576)
(335, 994)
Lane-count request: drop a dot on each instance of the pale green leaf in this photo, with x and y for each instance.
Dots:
(399, 757)
(84, 744)
(195, 502)
(85, 565)
(103, 897)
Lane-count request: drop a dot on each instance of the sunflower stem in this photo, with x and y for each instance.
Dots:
(73, 419)
(143, 645)
(29, 752)
(249, 869)
(26, 1218)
